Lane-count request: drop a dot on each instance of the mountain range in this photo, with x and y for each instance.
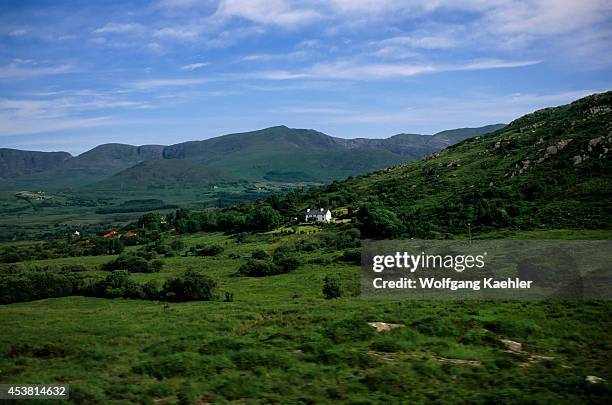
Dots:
(277, 154)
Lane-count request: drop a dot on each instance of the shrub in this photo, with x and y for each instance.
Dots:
(175, 364)
(260, 255)
(331, 288)
(147, 255)
(118, 284)
(285, 259)
(150, 290)
(348, 330)
(210, 250)
(259, 268)
(105, 246)
(177, 244)
(73, 268)
(352, 256)
(34, 286)
(189, 286)
(287, 263)
(133, 264)
(156, 266)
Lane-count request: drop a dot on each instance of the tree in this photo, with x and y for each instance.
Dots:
(264, 218)
(150, 221)
(379, 222)
(189, 286)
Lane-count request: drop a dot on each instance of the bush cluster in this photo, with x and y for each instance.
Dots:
(134, 264)
(29, 286)
(283, 261)
(60, 248)
(209, 250)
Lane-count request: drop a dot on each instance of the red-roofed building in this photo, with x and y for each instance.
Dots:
(112, 234)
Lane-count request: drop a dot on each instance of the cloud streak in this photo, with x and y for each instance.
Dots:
(20, 69)
(158, 83)
(193, 66)
(355, 70)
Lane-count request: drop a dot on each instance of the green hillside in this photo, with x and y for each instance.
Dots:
(160, 172)
(548, 169)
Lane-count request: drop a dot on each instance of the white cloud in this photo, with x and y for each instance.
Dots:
(115, 28)
(439, 40)
(180, 33)
(59, 110)
(19, 32)
(545, 17)
(157, 83)
(178, 3)
(23, 69)
(194, 66)
(295, 55)
(27, 126)
(155, 47)
(270, 12)
(356, 70)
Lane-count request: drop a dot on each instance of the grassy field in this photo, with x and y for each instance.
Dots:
(280, 341)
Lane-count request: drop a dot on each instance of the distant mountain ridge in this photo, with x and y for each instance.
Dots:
(15, 163)
(279, 154)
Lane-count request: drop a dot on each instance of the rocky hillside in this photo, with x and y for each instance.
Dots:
(548, 169)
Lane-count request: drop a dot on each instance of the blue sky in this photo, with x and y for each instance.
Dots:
(74, 75)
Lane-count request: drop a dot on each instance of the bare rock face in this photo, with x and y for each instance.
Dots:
(591, 379)
(383, 326)
(554, 149)
(577, 159)
(512, 346)
(594, 142)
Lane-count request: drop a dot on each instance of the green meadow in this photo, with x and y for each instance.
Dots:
(280, 341)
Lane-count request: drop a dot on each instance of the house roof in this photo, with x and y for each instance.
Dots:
(321, 211)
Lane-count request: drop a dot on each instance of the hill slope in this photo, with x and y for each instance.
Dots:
(162, 172)
(551, 168)
(15, 163)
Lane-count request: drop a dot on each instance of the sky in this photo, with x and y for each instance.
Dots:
(77, 74)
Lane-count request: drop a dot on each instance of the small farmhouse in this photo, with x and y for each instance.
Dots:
(321, 215)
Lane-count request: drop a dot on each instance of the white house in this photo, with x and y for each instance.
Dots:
(322, 215)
